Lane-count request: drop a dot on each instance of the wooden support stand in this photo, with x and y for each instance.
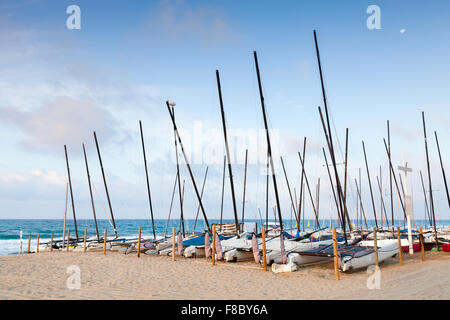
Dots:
(37, 244)
(104, 242)
(335, 253)
(399, 246)
(29, 243)
(173, 244)
(263, 232)
(139, 243)
(68, 238)
(84, 240)
(375, 245)
(213, 244)
(422, 247)
(51, 242)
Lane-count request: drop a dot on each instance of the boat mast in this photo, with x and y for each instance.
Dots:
(223, 187)
(318, 197)
(106, 186)
(345, 171)
(148, 183)
(71, 192)
(442, 168)
(331, 184)
(383, 207)
(429, 176)
(178, 169)
(90, 193)
(395, 179)
(201, 195)
(390, 178)
(309, 190)
(245, 184)
(269, 148)
(370, 186)
(171, 204)
(172, 117)
(342, 206)
(289, 188)
(361, 205)
(301, 188)
(227, 149)
(425, 197)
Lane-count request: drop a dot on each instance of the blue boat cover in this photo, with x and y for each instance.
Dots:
(200, 240)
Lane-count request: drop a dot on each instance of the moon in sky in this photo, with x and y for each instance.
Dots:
(402, 30)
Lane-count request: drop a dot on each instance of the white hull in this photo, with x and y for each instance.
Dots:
(386, 249)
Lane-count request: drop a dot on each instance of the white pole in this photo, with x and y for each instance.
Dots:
(408, 204)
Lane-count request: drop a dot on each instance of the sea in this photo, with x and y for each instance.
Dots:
(11, 229)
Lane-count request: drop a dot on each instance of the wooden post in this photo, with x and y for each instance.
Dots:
(263, 231)
(51, 242)
(335, 253)
(84, 240)
(29, 242)
(173, 244)
(213, 244)
(399, 246)
(139, 243)
(104, 242)
(37, 244)
(375, 245)
(422, 247)
(68, 237)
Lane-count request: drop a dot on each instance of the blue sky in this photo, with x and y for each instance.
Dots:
(58, 85)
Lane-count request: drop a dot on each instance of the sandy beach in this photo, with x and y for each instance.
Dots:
(118, 276)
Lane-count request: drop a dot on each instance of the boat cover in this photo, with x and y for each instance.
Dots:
(255, 248)
(343, 250)
(200, 240)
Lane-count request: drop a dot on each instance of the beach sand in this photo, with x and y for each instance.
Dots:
(119, 276)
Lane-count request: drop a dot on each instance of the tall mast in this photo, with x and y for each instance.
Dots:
(442, 168)
(425, 197)
(332, 187)
(318, 197)
(395, 179)
(223, 187)
(289, 188)
(300, 200)
(383, 207)
(245, 184)
(342, 206)
(201, 195)
(361, 204)
(346, 166)
(71, 192)
(429, 176)
(390, 177)
(180, 196)
(269, 148)
(172, 117)
(106, 186)
(148, 183)
(370, 186)
(309, 190)
(90, 193)
(227, 149)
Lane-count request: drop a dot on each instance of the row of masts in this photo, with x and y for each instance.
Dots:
(339, 187)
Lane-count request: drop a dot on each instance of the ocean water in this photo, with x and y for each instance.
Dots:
(10, 229)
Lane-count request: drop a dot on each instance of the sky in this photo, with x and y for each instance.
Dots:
(58, 85)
